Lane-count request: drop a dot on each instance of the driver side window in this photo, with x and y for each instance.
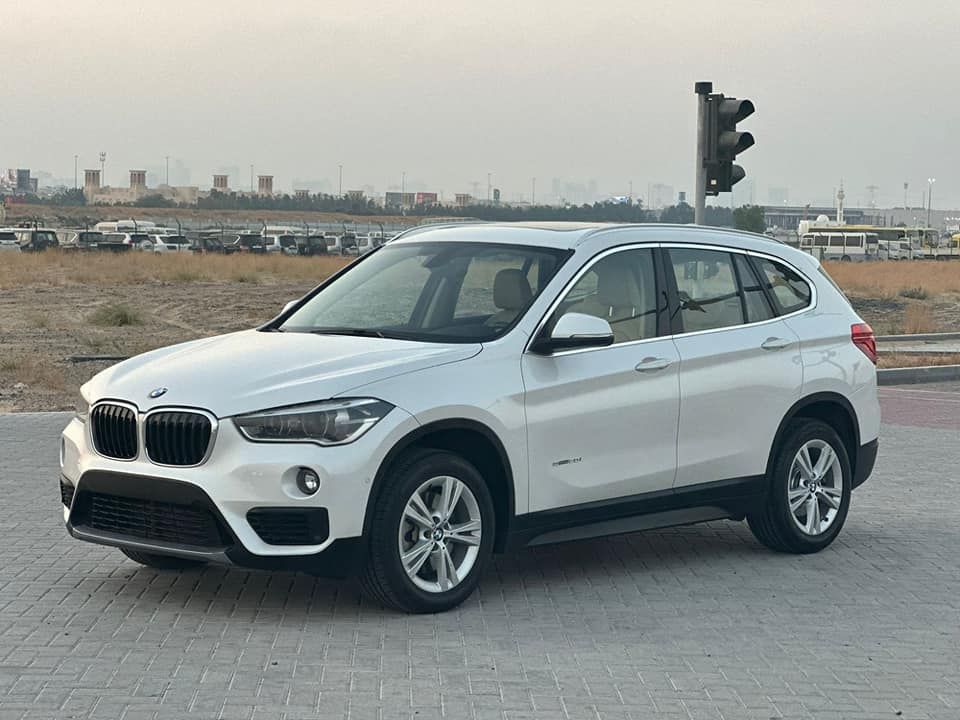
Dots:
(621, 289)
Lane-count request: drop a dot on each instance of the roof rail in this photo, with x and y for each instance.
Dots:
(677, 226)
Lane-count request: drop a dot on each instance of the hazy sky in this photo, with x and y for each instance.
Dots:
(449, 91)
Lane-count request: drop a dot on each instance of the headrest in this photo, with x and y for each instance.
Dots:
(511, 290)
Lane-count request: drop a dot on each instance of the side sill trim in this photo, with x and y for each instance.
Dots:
(731, 498)
(652, 521)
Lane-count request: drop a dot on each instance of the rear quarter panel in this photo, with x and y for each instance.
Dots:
(831, 362)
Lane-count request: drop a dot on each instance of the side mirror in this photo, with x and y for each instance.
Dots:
(287, 307)
(575, 330)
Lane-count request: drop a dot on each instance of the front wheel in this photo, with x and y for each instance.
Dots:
(809, 491)
(431, 534)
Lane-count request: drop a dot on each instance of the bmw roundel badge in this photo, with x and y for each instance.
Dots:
(157, 392)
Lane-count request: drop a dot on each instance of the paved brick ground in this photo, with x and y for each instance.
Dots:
(696, 622)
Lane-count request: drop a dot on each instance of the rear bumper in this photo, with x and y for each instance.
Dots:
(866, 459)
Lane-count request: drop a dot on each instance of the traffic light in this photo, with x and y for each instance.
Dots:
(724, 142)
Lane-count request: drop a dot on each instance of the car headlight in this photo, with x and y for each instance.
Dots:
(335, 422)
(82, 407)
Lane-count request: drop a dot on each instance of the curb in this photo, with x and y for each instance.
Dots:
(915, 375)
(920, 337)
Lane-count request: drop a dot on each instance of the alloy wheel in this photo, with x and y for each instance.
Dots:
(439, 536)
(815, 487)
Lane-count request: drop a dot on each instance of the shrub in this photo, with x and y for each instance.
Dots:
(914, 293)
(116, 315)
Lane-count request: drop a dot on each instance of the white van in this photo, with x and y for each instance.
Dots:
(839, 245)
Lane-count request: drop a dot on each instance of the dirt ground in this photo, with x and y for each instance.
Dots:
(56, 308)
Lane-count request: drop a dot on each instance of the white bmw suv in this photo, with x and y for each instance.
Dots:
(470, 389)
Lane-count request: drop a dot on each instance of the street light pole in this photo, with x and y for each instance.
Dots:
(930, 182)
(167, 158)
(533, 193)
(76, 159)
(488, 187)
(403, 192)
(340, 185)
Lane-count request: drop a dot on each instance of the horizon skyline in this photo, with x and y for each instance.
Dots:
(537, 89)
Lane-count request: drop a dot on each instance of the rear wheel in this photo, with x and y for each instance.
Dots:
(809, 491)
(162, 562)
(431, 534)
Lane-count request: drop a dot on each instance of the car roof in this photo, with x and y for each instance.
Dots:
(570, 235)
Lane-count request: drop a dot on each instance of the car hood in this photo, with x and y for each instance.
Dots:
(253, 370)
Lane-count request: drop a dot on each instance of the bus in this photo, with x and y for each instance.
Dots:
(840, 244)
(894, 243)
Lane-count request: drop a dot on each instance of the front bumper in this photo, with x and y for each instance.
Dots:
(238, 477)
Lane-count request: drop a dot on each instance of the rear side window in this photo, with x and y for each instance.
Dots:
(790, 291)
(754, 299)
(707, 288)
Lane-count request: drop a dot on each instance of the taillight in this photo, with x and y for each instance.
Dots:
(863, 337)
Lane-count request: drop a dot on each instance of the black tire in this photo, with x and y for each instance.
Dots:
(773, 525)
(846, 258)
(383, 578)
(162, 562)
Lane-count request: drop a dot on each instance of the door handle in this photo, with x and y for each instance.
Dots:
(775, 343)
(649, 364)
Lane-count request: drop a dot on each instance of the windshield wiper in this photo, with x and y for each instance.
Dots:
(353, 332)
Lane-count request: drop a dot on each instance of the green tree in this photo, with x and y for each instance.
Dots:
(750, 218)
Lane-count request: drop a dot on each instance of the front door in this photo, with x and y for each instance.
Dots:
(602, 422)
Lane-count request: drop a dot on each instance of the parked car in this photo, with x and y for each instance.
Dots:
(163, 244)
(213, 243)
(81, 240)
(283, 244)
(124, 241)
(366, 243)
(35, 239)
(8, 241)
(310, 245)
(471, 389)
(249, 243)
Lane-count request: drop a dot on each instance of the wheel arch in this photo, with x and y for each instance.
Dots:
(473, 441)
(831, 408)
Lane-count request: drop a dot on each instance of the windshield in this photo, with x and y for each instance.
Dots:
(440, 292)
(288, 241)
(251, 240)
(175, 240)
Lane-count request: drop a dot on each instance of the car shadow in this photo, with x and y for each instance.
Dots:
(708, 550)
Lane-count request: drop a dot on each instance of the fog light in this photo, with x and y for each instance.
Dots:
(308, 481)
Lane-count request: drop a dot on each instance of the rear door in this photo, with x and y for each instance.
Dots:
(740, 368)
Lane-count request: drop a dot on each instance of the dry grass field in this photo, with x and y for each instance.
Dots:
(54, 306)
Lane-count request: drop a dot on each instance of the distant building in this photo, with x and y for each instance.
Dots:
(463, 199)
(659, 196)
(301, 194)
(23, 180)
(265, 184)
(220, 183)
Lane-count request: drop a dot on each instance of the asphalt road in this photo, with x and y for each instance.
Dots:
(698, 622)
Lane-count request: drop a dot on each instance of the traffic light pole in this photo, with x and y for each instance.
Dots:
(702, 89)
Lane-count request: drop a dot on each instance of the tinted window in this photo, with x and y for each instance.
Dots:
(790, 290)
(621, 289)
(754, 299)
(707, 285)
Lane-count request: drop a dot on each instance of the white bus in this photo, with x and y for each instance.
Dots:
(837, 244)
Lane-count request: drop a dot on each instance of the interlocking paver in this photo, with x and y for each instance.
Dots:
(698, 622)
